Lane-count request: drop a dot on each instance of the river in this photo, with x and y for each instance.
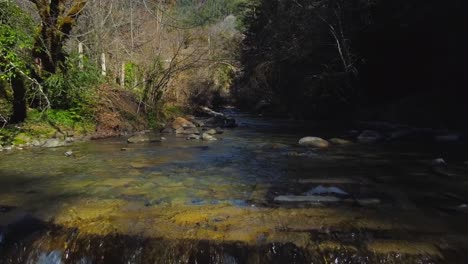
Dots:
(181, 201)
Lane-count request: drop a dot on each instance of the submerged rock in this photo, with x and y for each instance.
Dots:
(143, 138)
(339, 141)
(69, 153)
(319, 190)
(369, 136)
(307, 198)
(315, 142)
(54, 257)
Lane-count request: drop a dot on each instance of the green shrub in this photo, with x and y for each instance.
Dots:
(75, 89)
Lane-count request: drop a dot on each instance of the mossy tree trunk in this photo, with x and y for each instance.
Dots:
(57, 20)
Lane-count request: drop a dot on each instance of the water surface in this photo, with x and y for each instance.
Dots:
(182, 201)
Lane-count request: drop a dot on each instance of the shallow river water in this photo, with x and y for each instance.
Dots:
(182, 201)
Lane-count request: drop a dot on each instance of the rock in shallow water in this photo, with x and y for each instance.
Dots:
(187, 131)
(181, 122)
(143, 138)
(339, 141)
(307, 198)
(53, 143)
(207, 137)
(315, 142)
(326, 190)
(54, 257)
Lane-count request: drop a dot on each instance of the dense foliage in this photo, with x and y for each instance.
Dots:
(327, 57)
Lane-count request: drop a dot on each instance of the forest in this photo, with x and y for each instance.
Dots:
(111, 67)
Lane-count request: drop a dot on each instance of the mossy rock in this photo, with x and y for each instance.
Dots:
(21, 139)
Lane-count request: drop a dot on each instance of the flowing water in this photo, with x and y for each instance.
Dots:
(182, 201)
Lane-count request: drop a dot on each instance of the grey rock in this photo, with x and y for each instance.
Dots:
(315, 142)
(69, 140)
(37, 143)
(69, 153)
(53, 143)
(219, 130)
(319, 190)
(307, 198)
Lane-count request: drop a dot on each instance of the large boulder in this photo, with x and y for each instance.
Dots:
(315, 142)
(181, 122)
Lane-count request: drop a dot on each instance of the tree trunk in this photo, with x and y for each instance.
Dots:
(19, 99)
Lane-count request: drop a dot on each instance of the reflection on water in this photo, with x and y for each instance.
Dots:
(214, 202)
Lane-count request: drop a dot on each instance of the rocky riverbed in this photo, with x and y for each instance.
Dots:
(254, 195)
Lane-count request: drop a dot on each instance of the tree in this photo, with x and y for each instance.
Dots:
(15, 41)
(57, 20)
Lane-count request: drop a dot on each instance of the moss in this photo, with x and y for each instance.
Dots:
(21, 139)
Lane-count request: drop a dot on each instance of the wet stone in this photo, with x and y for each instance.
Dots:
(319, 190)
(314, 142)
(307, 198)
